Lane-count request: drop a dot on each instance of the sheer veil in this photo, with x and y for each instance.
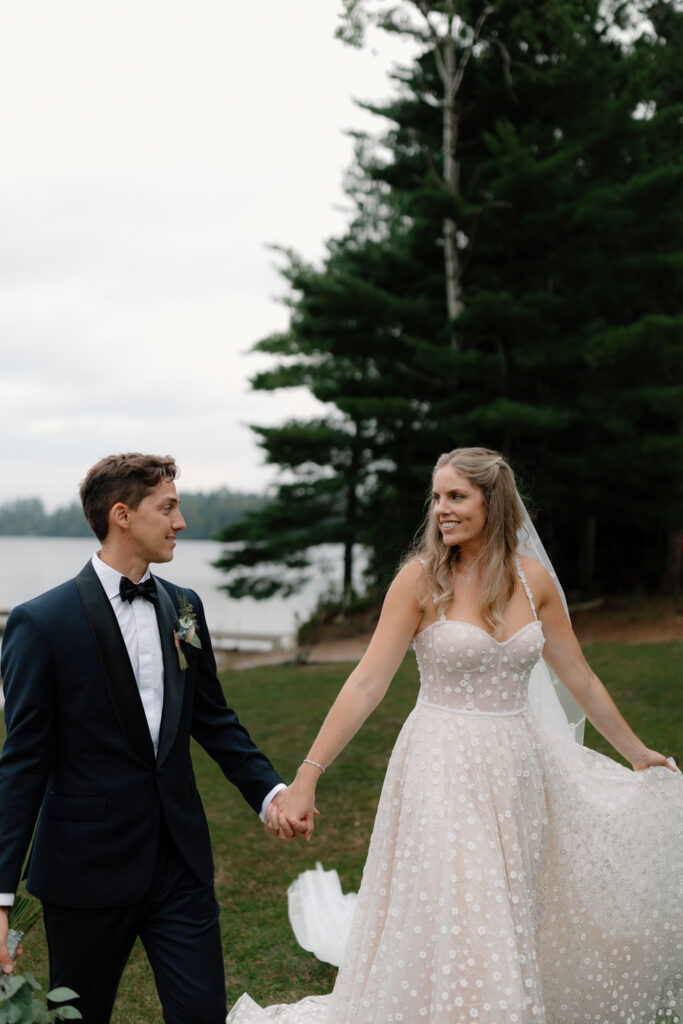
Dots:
(550, 701)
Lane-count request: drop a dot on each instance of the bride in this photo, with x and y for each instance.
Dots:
(513, 876)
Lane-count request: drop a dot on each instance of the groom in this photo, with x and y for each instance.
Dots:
(104, 686)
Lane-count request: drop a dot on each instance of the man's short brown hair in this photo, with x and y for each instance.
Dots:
(127, 478)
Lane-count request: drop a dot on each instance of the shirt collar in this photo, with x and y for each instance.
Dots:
(111, 578)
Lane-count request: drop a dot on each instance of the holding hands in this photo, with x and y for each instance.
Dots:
(291, 812)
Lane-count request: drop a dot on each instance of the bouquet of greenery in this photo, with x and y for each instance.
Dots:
(21, 997)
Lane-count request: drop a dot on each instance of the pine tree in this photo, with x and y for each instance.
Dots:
(563, 344)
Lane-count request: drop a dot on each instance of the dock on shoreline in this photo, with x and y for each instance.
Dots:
(224, 639)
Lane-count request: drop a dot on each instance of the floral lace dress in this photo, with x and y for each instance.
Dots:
(512, 877)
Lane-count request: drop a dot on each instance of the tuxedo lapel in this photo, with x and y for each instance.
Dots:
(174, 676)
(116, 666)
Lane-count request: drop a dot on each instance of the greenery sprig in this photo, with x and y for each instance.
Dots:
(21, 996)
(186, 628)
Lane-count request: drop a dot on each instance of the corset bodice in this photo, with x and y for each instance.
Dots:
(462, 668)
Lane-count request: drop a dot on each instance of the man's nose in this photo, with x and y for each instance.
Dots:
(178, 522)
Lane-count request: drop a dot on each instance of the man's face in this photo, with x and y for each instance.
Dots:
(153, 525)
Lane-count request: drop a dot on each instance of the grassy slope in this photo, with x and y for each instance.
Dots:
(283, 707)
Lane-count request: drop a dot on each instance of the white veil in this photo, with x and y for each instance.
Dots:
(550, 701)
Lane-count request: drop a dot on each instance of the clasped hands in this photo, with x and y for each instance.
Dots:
(290, 814)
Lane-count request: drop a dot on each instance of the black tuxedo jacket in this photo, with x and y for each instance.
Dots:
(79, 757)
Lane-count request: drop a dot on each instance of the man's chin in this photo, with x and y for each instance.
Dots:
(163, 556)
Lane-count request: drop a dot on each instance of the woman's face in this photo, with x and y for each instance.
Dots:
(458, 507)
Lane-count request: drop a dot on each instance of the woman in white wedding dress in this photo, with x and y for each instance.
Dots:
(513, 876)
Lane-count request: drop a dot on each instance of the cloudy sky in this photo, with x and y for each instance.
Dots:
(151, 151)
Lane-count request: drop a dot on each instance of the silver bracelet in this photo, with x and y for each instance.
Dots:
(315, 764)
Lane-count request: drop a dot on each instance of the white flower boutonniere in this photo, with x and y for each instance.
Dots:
(186, 629)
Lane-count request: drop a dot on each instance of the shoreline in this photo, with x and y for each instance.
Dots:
(657, 620)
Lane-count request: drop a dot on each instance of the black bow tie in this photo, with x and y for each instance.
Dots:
(129, 590)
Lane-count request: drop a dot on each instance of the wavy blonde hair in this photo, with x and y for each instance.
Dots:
(488, 471)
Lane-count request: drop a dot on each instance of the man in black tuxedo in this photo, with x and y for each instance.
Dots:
(103, 690)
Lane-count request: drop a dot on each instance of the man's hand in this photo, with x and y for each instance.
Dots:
(290, 814)
(6, 962)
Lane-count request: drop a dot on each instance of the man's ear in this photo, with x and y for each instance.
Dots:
(118, 516)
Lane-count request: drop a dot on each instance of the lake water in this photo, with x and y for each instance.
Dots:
(31, 565)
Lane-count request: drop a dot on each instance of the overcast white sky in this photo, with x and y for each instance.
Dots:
(151, 149)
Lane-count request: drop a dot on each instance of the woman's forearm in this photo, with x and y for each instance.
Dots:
(352, 706)
(362, 691)
(355, 702)
(603, 713)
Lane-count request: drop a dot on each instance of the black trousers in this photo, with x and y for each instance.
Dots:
(178, 925)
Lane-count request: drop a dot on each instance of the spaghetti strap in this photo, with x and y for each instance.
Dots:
(442, 613)
(526, 586)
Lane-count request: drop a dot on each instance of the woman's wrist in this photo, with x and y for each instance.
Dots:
(308, 774)
(637, 754)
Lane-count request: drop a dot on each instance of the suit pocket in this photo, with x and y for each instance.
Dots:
(76, 808)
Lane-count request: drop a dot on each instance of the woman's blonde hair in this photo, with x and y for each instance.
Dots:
(488, 471)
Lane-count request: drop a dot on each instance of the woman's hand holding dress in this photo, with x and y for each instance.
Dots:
(652, 759)
(564, 655)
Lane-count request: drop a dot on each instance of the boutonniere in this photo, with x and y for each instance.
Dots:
(185, 629)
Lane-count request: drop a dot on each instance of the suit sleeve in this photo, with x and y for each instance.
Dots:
(217, 728)
(28, 685)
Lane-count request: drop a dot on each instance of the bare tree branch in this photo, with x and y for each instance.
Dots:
(427, 154)
(465, 59)
(436, 40)
(507, 63)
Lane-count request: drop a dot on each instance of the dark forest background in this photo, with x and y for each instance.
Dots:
(511, 277)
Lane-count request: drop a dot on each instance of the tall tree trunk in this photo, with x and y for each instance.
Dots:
(587, 552)
(348, 592)
(451, 72)
(672, 576)
(451, 177)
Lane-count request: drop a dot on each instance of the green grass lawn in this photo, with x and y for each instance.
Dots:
(283, 707)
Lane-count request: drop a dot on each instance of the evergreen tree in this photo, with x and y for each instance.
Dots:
(563, 347)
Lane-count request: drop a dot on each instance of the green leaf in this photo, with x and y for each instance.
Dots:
(61, 994)
(68, 1013)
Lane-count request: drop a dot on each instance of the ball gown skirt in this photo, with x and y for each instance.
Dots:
(513, 877)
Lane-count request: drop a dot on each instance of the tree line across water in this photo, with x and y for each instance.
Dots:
(510, 277)
(206, 513)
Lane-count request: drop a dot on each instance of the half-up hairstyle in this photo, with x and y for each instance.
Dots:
(488, 471)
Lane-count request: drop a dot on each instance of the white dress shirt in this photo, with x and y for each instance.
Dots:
(137, 620)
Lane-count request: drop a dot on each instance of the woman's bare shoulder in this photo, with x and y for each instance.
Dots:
(411, 581)
(410, 576)
(538, 577)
